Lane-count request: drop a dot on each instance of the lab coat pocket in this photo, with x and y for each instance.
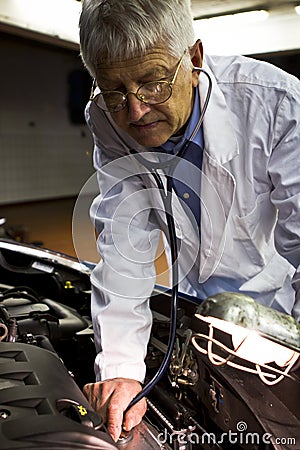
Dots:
(254, 231)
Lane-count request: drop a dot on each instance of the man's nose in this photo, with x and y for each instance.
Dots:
(136, 108)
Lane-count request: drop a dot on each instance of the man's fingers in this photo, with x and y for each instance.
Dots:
(114, 420)
(134, 415)
(93, 393)
(110, 398)
(118, 403)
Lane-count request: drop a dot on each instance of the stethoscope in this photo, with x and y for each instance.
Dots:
(166, 194)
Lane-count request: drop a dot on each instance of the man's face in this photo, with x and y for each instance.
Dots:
(150, 125)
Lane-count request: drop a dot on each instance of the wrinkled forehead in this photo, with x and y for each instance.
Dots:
(159, 50)
(155, 64)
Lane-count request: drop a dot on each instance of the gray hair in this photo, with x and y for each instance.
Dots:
(116, 30)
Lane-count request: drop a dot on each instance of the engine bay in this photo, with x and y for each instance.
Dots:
(47, 355)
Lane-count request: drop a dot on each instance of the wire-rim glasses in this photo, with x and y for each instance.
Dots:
(152, 93)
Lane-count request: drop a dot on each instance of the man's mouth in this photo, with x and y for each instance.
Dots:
(144, 126)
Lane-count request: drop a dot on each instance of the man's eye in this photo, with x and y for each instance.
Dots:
(112, 88)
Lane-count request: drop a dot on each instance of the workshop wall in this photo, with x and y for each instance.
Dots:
(45, 146)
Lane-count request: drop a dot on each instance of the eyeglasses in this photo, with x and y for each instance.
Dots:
(152, 93)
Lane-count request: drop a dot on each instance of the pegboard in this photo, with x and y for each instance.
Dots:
(44, 166)
(44, 154)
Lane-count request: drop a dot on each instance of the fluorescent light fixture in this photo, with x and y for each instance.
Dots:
(56, 18)
(238, 18)
(297, 9)
(259, 335)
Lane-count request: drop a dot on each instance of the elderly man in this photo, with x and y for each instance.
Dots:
(235, 180)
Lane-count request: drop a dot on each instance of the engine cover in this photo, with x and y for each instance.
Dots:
(41, 407)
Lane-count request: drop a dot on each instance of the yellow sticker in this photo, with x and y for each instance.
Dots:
(82, 410)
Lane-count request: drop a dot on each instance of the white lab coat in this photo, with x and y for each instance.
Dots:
(250, 214)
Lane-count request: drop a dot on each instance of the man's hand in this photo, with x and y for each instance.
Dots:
(110, 398)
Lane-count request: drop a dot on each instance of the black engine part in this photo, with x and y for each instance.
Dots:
(41, 407)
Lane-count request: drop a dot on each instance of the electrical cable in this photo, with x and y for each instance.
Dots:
(21, 292)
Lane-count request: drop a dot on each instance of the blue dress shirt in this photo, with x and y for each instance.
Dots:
(187, 177)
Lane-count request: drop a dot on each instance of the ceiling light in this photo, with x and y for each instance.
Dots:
(242, 17)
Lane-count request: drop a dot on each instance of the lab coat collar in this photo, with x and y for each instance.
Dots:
(217, 127)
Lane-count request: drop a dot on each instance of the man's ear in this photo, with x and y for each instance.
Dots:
(196, 54)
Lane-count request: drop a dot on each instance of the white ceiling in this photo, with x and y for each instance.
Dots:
(276, 30)
(56, 21)
(209, 8)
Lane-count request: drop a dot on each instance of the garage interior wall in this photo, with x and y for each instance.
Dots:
(45, 145)
(46, 150)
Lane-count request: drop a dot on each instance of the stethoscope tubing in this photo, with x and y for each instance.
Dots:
(166, 195)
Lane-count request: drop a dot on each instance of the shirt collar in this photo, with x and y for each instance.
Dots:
(174, 143)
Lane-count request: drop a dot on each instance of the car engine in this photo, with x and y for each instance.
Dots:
(47, 355)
